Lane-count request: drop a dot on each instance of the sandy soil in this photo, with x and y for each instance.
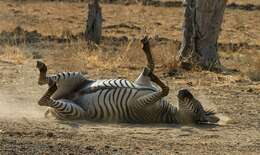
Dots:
(24, 130)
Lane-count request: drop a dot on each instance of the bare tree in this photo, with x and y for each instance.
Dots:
(203, 19)
(94, 22)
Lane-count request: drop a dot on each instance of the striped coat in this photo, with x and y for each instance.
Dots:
(114, 100)
(71, 96)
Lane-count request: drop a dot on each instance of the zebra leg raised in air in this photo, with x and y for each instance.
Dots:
(147, 76)
(61, 77)
(148, 54)
(61, 108)
(144, 79)
(43, 73)
(67, 82)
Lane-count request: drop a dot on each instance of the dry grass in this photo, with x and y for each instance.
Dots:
(164, 22)
(255, 2)
(97, 59)
(231, 95)
(128, 57)
(12, 54)
(230, 1)
(253, 71)
(247, 62)
(52, 18)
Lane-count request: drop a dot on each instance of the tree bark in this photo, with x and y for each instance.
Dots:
(94, 23)
(202, 24)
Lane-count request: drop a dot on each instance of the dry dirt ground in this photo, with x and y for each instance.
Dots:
(50, 31)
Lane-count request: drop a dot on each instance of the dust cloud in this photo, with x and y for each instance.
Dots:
(12, 107)
(209, 105)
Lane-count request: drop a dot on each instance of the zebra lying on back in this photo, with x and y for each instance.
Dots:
(71, 96)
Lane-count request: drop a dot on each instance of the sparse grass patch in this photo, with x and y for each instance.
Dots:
(13, 54)
(124, 59)
(165, 56)
(247, 62)
(100, 59)
(97, 59)
(250, 65)
(254, 68)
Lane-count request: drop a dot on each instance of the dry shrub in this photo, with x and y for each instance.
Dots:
(164, 55)
(80, 57)
(132, 56)
(247, 62)
(97, 59)
(126, 59)
(12, 54)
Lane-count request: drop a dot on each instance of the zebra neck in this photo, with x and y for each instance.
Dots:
(169, 113)
(173, 118)
(178, 117)
(86, 83)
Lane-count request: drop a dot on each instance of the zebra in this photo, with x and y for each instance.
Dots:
(71, 96)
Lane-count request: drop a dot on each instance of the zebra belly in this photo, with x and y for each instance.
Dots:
(116, 105)
(110, 108)
(117, 102)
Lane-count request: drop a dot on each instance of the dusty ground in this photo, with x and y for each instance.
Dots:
(235, 96)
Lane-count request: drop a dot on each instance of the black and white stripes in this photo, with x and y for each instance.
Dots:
(114, 100)
(113, 104)
(118, 100)
(62, 108)
(72, 96)
(191, 110)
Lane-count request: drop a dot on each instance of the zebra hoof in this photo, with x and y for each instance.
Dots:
(41, 66)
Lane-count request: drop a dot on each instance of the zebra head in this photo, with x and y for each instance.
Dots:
(184, 94)
(192, 111)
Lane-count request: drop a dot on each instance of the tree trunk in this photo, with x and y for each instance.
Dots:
(94, 23)
(201, 29)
